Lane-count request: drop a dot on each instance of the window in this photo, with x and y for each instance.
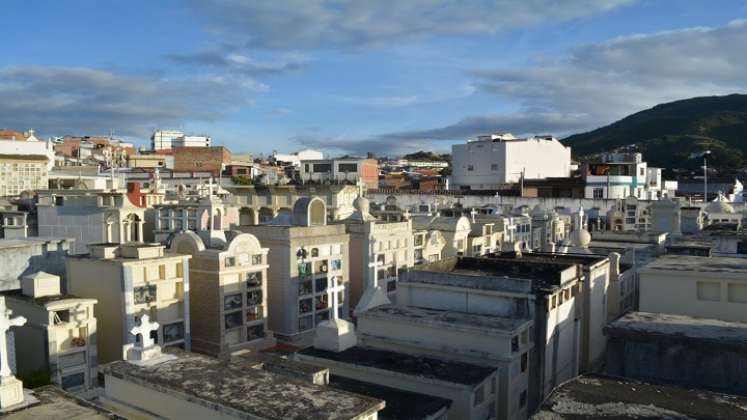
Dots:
(598, 192)
(305, 323)
(257, 259)
(233, 320)
(380, 259)
(524, 362)
(709, 291)
(231, 302)
(515, 343)
(145, 294)
(470, 168)
(173, 332)
(737, 293)
(254, 333)
(320, 285)
(494, 167)
(254, 298)
(254, 279)
(61, 317)
(73, 381)
(322, 168)
(479, 395)
(523, 399)
(337, 264)
(348, 167)
(304, 306)
(230, 261)
(304, 288)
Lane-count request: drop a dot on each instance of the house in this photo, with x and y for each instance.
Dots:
(341, 170)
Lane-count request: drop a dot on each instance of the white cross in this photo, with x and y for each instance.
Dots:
(144, 330)
(375, 266)
(406, 214)
(333, 290)
(473, 213)
(5, 323)
(360, 184)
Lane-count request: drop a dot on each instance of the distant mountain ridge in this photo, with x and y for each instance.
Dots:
(669, 133)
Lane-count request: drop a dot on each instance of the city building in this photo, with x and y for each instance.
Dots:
(619, 175)
(170, 139)
(212, 159)
(59, 337)
(308, 261)
(594, 396)
(484, 238)
(24, 256)
(13, 222)
(228, 272)
(90, 216)
(379, 252)
(677, 349)
(25, 162)
(494, 160)
(296, 157)
(341, 170)
(131, 280)
(701, 287)
(454, 230)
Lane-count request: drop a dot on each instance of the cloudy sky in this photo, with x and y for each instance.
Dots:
(387, 76)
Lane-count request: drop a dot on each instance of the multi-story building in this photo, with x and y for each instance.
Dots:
(169, 139)
(130, 280)
(228, 272)
(90, 217)
(296, 158)
(455, 231)
(199, 212)
(203, 159)
(494, 160)
(59, 337)
(25, 162)
(349, 170)
(619, 175)
(308, 260)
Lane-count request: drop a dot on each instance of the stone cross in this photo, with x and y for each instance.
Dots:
(473, 213)
(334, 301)
(360, 184)
(5, 323)
(144, 330)
(406, 215)
(375, 266)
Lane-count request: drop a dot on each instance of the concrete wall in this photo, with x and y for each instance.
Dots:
(704, 364)
(31, 256)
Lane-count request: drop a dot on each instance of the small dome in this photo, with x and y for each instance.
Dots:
(719, 206)
(580, 238)
(539, 212)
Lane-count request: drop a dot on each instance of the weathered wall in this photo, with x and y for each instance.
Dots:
(22, 257)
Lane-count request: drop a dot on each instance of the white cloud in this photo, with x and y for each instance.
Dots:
(303, 24)
(78, 100)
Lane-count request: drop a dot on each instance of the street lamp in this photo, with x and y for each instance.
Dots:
(705, 175)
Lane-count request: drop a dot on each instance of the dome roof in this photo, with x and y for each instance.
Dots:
(719, 206)
(580, 238)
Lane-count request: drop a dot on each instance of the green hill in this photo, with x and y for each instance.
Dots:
(668, 133)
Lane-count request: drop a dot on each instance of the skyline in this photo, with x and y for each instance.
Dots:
(387, 77)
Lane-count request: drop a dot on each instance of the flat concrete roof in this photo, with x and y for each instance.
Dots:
(55, 403)
(239, 385)
(37, 240)
(601, 397)
(679, 326)
(400, 405)
(407, 364)
(485, 324)
(699, 264)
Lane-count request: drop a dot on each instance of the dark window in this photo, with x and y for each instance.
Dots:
(254, 298)
(232, 302)
(322, 167)
(73, 381)
(255, 332)
(515, 343)
(524, 362)
(145, 294)
(523, 399)
(173, 332)
(257, 259)
(348, 167)
(304, 288)
(254, 279)
(233, 320)
(320, 285)
(391, 285)
(58, 201)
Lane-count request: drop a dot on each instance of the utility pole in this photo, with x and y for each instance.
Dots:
(705, 175)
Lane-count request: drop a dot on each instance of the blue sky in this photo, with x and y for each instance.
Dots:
(349, 77)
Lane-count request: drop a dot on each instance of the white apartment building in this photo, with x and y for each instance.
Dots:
(25, 162)
(496, 159)
(296, 157)
(169, 139)
(620, 175)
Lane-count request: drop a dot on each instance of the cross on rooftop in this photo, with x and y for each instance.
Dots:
(144, 329)
(5, 323)
(375, 265)
(333, 291)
